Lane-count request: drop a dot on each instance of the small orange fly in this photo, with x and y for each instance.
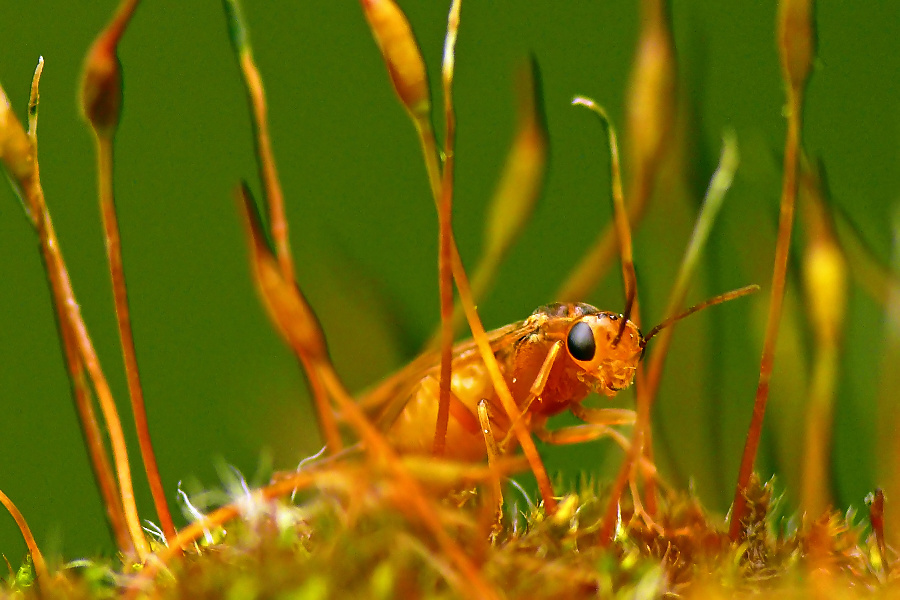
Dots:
(551, 361)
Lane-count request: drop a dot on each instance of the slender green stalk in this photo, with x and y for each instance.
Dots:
(712, 203)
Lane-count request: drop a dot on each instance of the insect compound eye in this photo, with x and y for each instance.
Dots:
(580, 342)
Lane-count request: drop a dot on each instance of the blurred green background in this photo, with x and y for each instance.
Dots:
(220, 385)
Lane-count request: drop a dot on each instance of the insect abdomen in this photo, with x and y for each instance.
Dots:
(413, 431)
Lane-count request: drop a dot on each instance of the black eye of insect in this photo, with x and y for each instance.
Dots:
(581, 341)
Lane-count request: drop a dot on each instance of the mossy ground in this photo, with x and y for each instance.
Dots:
(350, 538)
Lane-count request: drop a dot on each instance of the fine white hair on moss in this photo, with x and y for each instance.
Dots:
(192, 513)
(155, 530)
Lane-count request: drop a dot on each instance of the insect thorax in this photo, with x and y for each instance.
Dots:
(566, 310)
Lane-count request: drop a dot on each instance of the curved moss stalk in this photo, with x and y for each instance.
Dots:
(37, 559)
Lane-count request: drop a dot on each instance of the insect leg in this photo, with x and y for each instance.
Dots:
(610, 416)
(577, 434)
(597, 425)
(493, 453)
(537, 388)
(604, 416)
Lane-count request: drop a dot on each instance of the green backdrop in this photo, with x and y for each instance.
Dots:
(222, 388)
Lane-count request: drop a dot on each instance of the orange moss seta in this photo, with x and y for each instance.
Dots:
(401, 54)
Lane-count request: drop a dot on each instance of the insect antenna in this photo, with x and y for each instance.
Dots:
(732, 295)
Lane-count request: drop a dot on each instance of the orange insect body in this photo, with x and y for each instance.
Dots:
(551, 361)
